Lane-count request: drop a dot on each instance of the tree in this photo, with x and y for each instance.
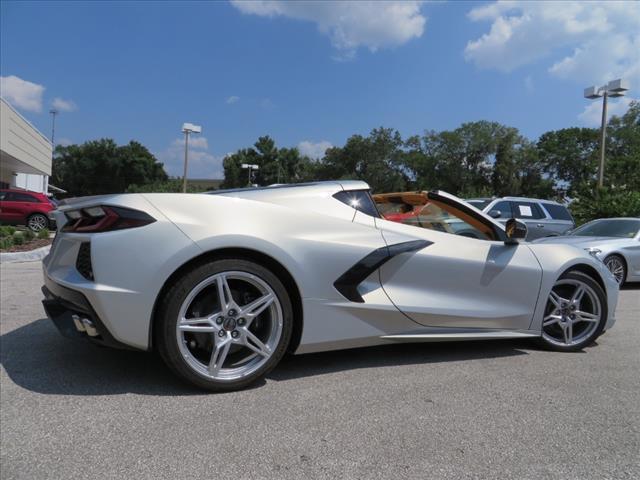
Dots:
(101, 166)
(275, 165)
(570, 156)
(621, 195)
(376, 159)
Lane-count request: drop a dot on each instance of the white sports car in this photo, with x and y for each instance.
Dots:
(224, 284)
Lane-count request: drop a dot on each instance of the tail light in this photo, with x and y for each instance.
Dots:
(104, 219)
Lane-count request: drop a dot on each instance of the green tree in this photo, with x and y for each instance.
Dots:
(569, 156)
(376, 159)
(275, 165)
(101, 166)
(620, 196)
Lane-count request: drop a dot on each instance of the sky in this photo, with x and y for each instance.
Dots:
(309, 74)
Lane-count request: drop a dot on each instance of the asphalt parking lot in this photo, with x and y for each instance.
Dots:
(473, 410)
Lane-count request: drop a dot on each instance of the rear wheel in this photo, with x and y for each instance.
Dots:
(616, 265)
(225, 324)
(37, 222)
(575, 313)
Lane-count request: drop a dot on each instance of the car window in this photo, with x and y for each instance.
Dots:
(478, 203)
(3, 195)
(360, 200)
(622, 228)
(558, 212)
(427, 215)
(526, 210)
(23, 197)
(504, 208)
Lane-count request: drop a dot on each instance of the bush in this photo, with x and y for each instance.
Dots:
(28, 235)
(18, 239)
(7, 231)
(605, 203)
(6, 242)
(43, 234)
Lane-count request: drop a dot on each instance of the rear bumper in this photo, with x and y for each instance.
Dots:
(74, 317)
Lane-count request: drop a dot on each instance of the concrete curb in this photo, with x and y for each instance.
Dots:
(31, 256)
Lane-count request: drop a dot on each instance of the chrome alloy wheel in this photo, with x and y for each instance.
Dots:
(37, 222)
(572, 313)
(616, 267)
(238, 333)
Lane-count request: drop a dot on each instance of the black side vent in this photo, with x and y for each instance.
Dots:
(83, 262)
(349, 281)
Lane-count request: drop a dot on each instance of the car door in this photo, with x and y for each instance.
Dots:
(9, 208)
(532, 215)
(458, 281)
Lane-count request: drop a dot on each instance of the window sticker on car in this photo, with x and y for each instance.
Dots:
(525, 210)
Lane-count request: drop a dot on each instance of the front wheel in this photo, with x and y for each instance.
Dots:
(575, 314)
(225, 324)
(615, 264)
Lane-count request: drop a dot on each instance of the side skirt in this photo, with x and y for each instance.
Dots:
(449, 336)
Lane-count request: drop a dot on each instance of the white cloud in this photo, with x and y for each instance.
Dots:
(349, 24)
(602, 37)
(64, 105)
(232, 99)
(21, 93)
(64, 142)
(313, 150)
(202, 164)
(195, 142)
(592, 114)
(267, 103)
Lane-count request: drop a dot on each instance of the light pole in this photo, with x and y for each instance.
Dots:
(187, 128)
(250, 167)
(615, 88)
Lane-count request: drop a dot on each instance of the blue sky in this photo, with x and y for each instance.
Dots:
(308, 74)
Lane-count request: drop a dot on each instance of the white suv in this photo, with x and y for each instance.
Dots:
(544, 218)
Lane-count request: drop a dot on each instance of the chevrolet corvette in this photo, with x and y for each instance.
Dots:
(223, 284)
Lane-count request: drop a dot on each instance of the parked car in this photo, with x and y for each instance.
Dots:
(223, 284)
(616, 241)
(22, 207)
(544, 218)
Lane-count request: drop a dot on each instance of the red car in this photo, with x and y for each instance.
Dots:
(22, 207)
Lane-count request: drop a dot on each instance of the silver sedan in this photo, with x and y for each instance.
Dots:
(615, 241)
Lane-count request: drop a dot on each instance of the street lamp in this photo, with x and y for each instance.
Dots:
(250, 167)
(615, 88)
(187, 128)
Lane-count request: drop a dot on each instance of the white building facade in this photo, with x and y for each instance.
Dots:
(25, 153)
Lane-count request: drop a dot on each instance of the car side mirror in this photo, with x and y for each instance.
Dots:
(495, 213)
(515, 230)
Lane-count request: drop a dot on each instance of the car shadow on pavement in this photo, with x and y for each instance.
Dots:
(311, 364)
(36, 357)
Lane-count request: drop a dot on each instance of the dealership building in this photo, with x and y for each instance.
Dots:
(25, 153)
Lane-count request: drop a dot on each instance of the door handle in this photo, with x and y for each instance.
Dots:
(541, 225)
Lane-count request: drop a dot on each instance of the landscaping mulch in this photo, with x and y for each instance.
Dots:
(37, 243)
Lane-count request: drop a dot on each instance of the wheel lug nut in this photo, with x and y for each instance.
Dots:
(219, 320)
(573, 317)
(241, 321)
(235, 334)
(221, 333)
(232, 313)
(573, 307)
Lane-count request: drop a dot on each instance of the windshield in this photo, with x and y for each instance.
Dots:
(622, 228)
(479, 203)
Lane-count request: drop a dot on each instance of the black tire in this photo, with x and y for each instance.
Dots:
(37, 218)
(168, 312)
(615, 257)
(595, 286)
